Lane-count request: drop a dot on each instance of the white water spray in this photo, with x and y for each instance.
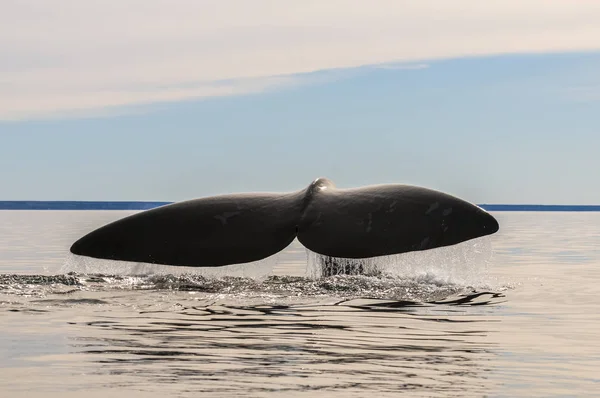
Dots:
(258, 270)
(464, 264)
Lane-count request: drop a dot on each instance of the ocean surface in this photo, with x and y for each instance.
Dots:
(516, 314)
(126, 205)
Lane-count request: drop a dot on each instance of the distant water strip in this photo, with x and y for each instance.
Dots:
(122, 205)
(499, 207)
(77, 205)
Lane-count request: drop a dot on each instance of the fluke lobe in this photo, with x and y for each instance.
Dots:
(352, 223)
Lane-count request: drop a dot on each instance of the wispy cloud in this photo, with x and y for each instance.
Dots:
(63, 55)
(403, 66)
(79, 101)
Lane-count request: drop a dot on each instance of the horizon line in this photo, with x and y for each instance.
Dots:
(147, 205)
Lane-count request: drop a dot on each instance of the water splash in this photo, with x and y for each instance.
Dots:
(86, 265)
(417, 276)
(464, 264)
(280, 288)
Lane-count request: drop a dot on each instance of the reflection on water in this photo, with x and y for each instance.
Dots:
(357, 346)
(225, 344)
(516, 315)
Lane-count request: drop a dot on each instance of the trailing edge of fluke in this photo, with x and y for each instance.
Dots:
(354, 223)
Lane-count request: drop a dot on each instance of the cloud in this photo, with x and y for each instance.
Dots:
(78, 101)
(403, 66)
(66, 55)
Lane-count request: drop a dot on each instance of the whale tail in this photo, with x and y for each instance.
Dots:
(343, 223)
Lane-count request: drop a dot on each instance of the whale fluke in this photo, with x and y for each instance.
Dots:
(239, 228)
(213, 231)
(388, 219)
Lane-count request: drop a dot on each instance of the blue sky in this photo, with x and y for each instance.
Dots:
(492, 128)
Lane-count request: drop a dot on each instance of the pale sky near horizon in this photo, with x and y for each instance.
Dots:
(497, 102)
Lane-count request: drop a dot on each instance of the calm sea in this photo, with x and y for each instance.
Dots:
(516, 314)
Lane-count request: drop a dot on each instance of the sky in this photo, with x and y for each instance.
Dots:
(496, 102)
